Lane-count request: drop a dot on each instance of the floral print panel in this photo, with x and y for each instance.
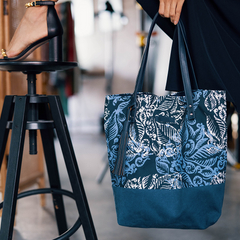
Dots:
(166, 150)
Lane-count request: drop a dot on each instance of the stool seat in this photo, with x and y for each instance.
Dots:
(36, 66)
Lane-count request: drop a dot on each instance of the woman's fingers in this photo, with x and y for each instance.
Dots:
(171, 9)
(167, 9)
(178, 11)
(161, 8)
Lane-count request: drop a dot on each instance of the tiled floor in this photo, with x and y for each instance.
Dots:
(36, 223)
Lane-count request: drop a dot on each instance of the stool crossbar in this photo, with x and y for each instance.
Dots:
(34, 112)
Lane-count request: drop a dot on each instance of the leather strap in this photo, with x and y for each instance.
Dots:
(188, 54)
(183, 51)
(184, 71)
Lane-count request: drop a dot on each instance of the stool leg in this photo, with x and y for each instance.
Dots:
(14, 167)
(54, 180)
(52, 168)
(104, 169)
(72, 167)
(7, 112)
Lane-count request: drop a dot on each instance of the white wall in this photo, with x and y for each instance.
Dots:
(91, 47)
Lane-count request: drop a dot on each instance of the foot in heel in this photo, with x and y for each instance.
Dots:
(38, 26)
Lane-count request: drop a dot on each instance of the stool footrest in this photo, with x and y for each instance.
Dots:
(45, 113)
(77, 224)
(35, 125)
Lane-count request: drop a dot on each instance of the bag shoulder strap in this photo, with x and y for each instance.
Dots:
(185, 71)
(183, 51)
(131, 113)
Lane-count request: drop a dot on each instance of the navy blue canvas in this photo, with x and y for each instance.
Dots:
(167, 154)
(169, 209)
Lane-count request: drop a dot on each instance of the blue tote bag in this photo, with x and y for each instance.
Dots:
(167, 154)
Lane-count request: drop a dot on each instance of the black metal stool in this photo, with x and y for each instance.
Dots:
(32, 112)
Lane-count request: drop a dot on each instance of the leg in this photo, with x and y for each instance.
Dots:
(14, 167)
(32, 27)
(6, 116)
(53, 174)
(72, 167)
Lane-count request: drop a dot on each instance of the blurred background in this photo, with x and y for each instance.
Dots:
(107, 39)
(110, 37)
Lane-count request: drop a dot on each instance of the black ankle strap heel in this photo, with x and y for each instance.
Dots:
(55, 49)
(55, 32)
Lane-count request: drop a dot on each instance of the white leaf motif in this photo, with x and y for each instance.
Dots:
(145, 181)
(213, 127)
(166, 104)
(166, 132)
(210, 102)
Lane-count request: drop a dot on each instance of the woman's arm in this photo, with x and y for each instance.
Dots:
(171, 9)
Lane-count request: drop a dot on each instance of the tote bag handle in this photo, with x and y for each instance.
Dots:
(183, 51)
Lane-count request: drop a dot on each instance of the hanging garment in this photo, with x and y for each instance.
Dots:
(213, 33)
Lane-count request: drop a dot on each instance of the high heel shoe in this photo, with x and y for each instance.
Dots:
(55, 32)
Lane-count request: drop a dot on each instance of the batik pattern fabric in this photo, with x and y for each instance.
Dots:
(166, 150)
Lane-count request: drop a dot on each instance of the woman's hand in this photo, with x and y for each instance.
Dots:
(171, 9)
